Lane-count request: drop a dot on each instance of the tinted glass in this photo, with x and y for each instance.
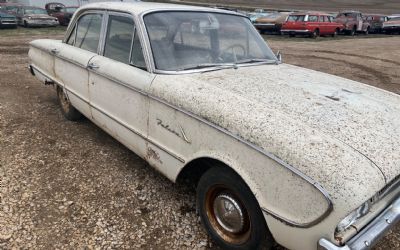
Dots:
(88, 33)
(180, 40)
(119, 38)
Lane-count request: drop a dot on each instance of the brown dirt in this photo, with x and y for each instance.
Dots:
(70, 185)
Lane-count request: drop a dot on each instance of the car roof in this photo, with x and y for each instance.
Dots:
(138, 8)
(311, 13)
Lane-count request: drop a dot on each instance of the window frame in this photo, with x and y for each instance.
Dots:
(107, 19)
(73, 28)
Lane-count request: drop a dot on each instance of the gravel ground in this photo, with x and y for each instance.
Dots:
(70, 185)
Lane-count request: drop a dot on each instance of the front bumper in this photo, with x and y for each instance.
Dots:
(41, 23)
(371, 234)
(8, 22)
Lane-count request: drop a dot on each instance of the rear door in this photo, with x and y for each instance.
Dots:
(118, 84)
(313, 23)
(73, 57)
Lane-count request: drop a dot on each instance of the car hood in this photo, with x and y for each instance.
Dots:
(39, 16)
(324, 125)
(5, 15)
(392, 22)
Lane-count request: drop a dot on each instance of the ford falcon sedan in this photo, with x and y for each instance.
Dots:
(277, 152)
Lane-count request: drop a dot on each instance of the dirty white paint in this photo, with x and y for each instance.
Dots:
(337, 132)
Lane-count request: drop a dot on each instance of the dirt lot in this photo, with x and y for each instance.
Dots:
(70, 185)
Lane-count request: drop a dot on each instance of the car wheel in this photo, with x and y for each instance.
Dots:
(230, 212)
(353, 31)
(335, 34)
(292, 35)
(66, 107)
(315, 34)
(26, 25)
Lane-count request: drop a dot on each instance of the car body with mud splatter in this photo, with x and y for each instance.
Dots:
(277, 152)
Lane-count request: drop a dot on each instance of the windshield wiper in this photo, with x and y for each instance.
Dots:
(210, 65)
(256, 60)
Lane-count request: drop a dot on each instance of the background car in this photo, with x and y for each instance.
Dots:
(7, 20)
(255, 15)
(353, 22)
(313, 24)
(61, 12)
(35, 17)
(392, 25)
(10, 8)
(271, 23)
(376, 22)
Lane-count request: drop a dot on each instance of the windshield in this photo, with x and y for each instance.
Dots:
(35, 11)
(182, 40)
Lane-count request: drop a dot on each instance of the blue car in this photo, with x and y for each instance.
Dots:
(7, 21)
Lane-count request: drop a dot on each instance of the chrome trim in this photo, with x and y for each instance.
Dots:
(371, 234)
(110, 116)
(296, 31)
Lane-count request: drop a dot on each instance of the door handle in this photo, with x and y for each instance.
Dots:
(93, 66)
(55, 51)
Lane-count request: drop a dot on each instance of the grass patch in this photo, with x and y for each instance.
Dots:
(21, 31)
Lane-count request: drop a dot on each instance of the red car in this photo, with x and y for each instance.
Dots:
(61, 12)
(312, 24)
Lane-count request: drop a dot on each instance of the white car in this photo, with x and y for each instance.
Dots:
(278, 152)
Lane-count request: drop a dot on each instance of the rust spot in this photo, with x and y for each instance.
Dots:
(152, 154)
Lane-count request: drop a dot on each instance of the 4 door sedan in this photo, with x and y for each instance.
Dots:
(277, 152)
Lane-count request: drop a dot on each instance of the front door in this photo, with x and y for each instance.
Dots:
(72, 59)
(118, 85)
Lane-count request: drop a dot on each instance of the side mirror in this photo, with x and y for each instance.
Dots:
(279, 56)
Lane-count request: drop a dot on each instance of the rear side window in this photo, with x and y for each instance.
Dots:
(313, 18)
(88, 32)
(119, 38)
(296, 18)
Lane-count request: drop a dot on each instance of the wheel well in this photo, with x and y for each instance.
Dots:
(193, 170)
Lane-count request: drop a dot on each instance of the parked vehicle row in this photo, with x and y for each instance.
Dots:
(54, 14)
(315, 24)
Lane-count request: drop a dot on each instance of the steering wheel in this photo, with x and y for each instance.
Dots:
(232, 47)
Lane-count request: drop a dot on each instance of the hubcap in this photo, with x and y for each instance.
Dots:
(228, 213)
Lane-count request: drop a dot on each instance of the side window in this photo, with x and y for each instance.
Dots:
(88, 32)
(119, 38)
(71, 39)
(137, 58)
(313, 18)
